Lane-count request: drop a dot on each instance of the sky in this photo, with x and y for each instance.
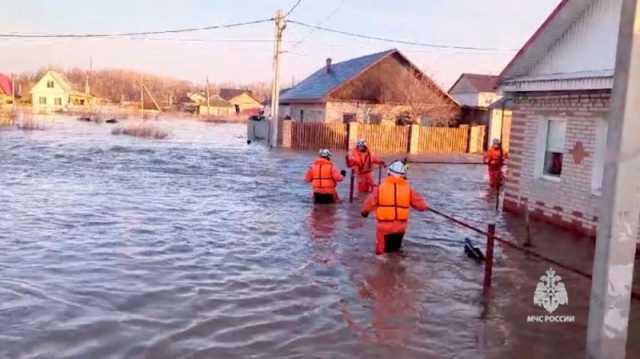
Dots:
(244, 54)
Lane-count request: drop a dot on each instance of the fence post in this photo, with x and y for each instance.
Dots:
(351, 183)
(488, 266)
(286, 134)
(354, 129)
(414, 139)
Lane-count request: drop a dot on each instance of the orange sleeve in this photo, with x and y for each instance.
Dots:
(375, 159)
(418, 202)
(309, 176)
(336, 174)
(370, 203)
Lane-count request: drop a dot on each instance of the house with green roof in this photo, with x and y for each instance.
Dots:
(54, 93)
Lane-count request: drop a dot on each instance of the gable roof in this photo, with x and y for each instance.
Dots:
(230, 93)
(482, 83)
(321, 83)
(5, 85)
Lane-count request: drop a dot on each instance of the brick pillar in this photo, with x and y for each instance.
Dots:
(414, 139)
(286, 134)
(354, 132)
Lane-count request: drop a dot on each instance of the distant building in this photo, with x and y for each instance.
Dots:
(216, 106)
(379, 88)
(559, 85)
(54, 93)
(243, 101)
(475, 93)
(6, 91)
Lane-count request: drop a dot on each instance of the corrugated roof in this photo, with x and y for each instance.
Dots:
(482, 83)
(321, 82)
(5, 85)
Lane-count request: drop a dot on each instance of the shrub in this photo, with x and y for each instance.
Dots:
(143, 130)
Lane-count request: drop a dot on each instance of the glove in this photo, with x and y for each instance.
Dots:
(364, 214)
(343, 173)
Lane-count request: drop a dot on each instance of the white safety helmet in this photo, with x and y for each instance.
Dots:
(361, 143)
(398, 169)
(325, 153)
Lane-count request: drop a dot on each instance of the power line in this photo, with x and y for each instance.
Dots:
(333, 12)
(293, 8)
(404, 42)
(129, 34)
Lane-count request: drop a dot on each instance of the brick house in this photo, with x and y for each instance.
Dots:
(379, 88)
(559, 85)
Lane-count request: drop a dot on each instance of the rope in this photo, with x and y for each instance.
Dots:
(634, 295)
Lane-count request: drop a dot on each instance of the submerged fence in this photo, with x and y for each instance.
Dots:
(383, 138)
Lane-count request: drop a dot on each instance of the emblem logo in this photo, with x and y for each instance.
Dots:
(550, 292)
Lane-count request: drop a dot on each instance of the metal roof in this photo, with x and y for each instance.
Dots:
(317, 86)
(482, 83)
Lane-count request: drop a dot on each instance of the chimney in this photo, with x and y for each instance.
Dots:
(329, 65)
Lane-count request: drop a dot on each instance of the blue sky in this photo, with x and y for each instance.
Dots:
(219, 54)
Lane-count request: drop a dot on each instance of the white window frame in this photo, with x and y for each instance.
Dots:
(541, 149)
(599, 154)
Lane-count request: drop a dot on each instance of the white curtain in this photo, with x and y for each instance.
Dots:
(556, 135)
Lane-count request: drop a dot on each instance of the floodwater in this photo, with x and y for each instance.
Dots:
(199, 246)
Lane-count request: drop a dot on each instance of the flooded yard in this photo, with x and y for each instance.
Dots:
(200, 246)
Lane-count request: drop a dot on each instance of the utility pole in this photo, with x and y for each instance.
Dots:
(275, 90)
(142, 96)
(13, 92)
(208, 97)
(618, 228)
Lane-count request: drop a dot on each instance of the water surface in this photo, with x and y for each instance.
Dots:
(200, 246)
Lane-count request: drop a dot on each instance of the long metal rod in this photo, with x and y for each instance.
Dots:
(635, 295)
(446, 163)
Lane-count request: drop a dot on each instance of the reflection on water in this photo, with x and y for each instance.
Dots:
(201, 246)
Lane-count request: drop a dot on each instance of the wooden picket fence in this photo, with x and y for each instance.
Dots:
(380, 138)
(443, 140)
(313, 136)
(386, 139)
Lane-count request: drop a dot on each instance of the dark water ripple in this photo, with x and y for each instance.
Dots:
(200, 246)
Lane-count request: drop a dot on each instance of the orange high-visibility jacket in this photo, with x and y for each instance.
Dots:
(323, 176)
(495, 158)
(392, 200)
(363, 162)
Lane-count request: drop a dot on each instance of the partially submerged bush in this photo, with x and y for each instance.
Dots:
(29, 125)
(142, 130)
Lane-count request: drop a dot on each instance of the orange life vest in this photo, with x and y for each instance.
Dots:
(495, 158)
(363, 160)
(394, 199)
(322, 175)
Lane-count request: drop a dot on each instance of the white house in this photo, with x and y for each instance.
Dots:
(559, 85)
(54, 93)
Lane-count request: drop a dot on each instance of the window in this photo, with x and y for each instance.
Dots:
(375, 119)
(348, 117)
(301, 115)
(551, 143)
(49, 84)
(58, 101)
(42, 100)
(602, 129)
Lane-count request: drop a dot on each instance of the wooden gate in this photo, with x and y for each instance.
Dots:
(314, 136)
(443, 140)
(385, 139)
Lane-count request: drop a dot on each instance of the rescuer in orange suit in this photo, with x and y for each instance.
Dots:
(494, 158)
(392, 201)
(324, 177)
(361, 160)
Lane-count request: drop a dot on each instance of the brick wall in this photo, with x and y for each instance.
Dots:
(570, 202)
